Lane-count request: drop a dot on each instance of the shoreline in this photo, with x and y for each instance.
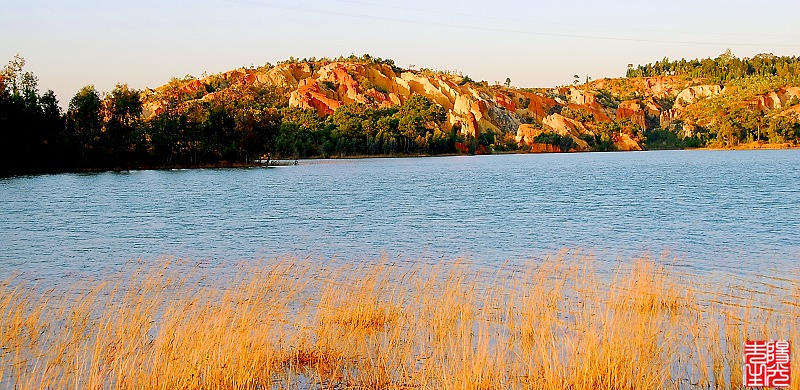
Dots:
(290, 162)
(753, 146)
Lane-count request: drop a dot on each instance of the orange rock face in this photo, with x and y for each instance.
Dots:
(504, 101)
(652, 108)
(545, 148)
(581, 97)
(309, 95)
(527, 133)
(469, 125)
(587, 101)
(660, 86)
(625, 143)
(539, 106)
(775, 100)
(193, 86)
(567, 127)
(632, 110)
(692, 94)
(666, 118)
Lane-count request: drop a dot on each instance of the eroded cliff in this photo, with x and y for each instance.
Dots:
(617, 111)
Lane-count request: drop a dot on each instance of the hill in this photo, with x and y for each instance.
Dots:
(369, 106)
(633, 113)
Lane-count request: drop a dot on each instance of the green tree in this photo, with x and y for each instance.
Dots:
(218, 133)
(258, 130)
(784, 128)
(123, 133)
(52, 127)
(84, 123)
(306, 118)
(348, 119)
(417, 116)
(172, 138)
(300, 133)
(26, 136)
(15, 80)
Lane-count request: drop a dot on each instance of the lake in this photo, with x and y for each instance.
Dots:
(708, 211)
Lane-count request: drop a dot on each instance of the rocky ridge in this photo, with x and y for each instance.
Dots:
(578, 112)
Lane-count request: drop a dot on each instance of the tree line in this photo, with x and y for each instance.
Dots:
(100, 132)
(240, 124)
(723, 68)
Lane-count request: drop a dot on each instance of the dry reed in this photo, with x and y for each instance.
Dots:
(285, 323)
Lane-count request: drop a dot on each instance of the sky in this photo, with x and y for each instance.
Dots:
(69, 44)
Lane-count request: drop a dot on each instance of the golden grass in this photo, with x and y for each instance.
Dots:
(284, 323)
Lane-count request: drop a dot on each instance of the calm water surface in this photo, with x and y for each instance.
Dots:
(711, 211)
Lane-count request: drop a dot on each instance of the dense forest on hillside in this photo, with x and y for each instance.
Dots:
(723, 68)
(221, 121)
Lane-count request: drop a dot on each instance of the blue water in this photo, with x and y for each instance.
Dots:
(710, 211)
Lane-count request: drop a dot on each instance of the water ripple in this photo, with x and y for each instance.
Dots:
(718, 211)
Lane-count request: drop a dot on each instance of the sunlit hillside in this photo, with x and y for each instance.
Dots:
(367, 106)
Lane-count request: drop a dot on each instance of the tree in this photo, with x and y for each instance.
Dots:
(417, 116)
(784, 128)
(348, 119)
(304, 117)
(508, 82)
(577, 79)
(165, 135)
(218, 132)
(51, 126)
(258, 132)
(723, 68)
(21, 137)
(124, 107)
(727, 56)
(84, 123)
(13, 79)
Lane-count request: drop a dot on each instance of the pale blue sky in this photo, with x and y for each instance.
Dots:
(69, 44)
